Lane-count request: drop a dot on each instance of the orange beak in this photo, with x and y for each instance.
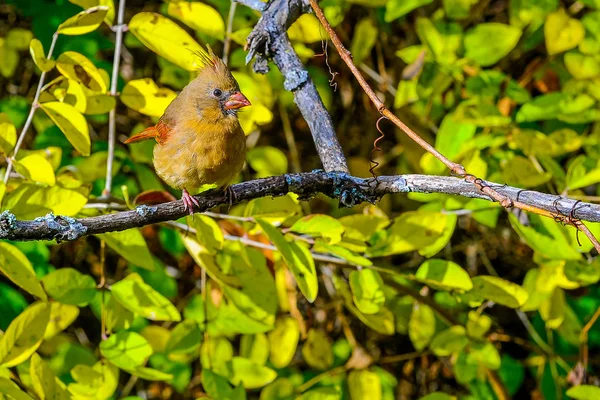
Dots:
(236, 100)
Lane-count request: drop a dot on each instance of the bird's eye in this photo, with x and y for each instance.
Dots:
(217, 92)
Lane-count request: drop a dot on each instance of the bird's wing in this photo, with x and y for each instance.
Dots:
(160, 132)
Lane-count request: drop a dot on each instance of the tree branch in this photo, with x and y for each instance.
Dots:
(348, 189)
(269, 40)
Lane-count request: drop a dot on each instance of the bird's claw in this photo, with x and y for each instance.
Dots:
(189, 201)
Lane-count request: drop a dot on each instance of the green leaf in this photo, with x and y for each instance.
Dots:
(478, 324)
(167, 39)
(488, 43)
(297, 258)
(421, 326)
(443, 275)
(582, 66)
(255, 347)
(97, 382)
(584, 392)
(283, 340)
(184, 340)
(364, 384)
(267, 161)
(71, 123)
(562, 33)
(215, 353)
(144, 96)
(323, 393)
(61, 316)
(458, 9)
(365, 36)
(395, 9)
(450, 341)
(499, 291)
(137, 297)
(367, 290)
(317, 351)
(544, 107)
(319, 225)
(381, 322)
(484, 353)
(553, 309)
(279, 389)
(126, 350)
(546, 237)
(215, 385)
(208, 262)
(131, 245)
(437, 396)
(12, 390)
(79, 68)
(16, 267)
(208, 233)
(45, 384)
(69, 286)
(24, 334)
(18, 38)
(583, 273)
(413, 230)
(36, 49)
(452, 136)
(248, 373)
(84, 22)
(199, 17)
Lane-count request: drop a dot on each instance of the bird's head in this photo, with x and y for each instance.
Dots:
(215, 91)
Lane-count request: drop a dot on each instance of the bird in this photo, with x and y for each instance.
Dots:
(199, 139)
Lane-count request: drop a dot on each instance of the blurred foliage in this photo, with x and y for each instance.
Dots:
(423, 296)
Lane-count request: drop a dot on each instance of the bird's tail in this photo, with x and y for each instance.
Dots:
(148, 133)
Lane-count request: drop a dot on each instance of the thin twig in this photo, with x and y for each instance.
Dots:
(583, 338)
(34, 106)
(454, 167)
(227, 41)
(112, 115)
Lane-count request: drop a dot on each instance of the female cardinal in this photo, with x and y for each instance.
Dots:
(199, 138)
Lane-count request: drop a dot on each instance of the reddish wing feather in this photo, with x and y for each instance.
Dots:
(160, 132)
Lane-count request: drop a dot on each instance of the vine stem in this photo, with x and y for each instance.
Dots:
(34, 106)
(454, 167)
(227, 43)
(112, 115)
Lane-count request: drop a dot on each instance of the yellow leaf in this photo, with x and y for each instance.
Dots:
(61, 316)
(24, 334)
(84, 22)
(167, 39)
(12, 390)
(8, 137)
(561, 32)
(307, 29)
(110, 15)
(67, 91)
(77, 67)
(145, 97)
(99, 104)
(18, 38)
(28, 201)
(10, 59)
(36, 49)
(131, 245)
(37, 169)
(16, 267)
(45, 384)
(71, 123)
(199, 17)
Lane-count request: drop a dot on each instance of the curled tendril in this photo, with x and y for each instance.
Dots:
(375, 164)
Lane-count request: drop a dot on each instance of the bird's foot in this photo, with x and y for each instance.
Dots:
(189, 201)
(230, 196)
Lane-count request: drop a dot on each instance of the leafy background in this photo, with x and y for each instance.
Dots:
(427, 296)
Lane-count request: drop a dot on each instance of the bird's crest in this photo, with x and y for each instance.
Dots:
(207, 58)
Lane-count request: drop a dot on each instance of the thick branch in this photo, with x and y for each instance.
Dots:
(350, 190)
(269, 40)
